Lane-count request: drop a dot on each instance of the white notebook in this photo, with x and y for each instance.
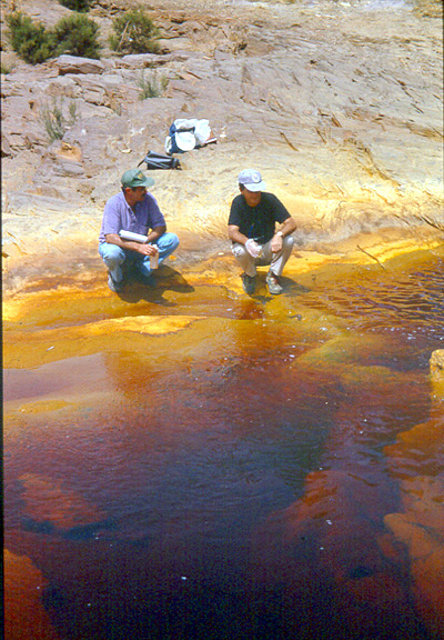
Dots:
(130, 235)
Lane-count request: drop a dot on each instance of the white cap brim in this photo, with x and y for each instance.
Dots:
(255, 186)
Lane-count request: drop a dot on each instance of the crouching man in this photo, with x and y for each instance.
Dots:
(252, 230)
(136, 211)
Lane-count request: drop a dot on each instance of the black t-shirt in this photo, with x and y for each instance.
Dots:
(258, 222)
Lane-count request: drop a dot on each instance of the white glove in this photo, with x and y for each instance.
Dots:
(253, 248)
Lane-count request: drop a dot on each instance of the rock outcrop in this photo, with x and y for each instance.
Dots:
(340, 107)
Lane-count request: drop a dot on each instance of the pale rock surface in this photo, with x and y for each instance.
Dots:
(338, 104)
(74, 64)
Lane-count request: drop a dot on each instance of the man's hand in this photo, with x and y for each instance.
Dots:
(253, 248)
(276, 242)
(147, 249)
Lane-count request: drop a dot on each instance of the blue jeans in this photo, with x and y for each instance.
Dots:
(114, 256)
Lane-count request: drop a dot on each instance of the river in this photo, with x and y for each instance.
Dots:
(202, 465)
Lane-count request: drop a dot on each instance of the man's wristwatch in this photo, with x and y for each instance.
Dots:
(279, 233)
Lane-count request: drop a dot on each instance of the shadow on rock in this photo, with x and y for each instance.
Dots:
(291, 287)
(169, 278)
(151, 289)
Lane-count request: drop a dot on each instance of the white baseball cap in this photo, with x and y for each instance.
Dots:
(251, 180)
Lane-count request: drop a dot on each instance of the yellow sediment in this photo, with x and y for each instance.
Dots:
(55, 344)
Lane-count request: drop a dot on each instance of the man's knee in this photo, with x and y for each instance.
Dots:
(168, 241)
(112, 255)
(174, 240)
(288, 242)
(287, 247)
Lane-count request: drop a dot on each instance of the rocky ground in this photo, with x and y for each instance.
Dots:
(338, 104)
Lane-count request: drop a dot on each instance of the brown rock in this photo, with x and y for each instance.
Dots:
(73, 64)
(24, 614)
(142, 60)
(279, 94)
(426, 551)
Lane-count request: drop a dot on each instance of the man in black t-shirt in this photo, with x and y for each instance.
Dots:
(252, 229)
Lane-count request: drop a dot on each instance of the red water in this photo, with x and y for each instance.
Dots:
(229, 480)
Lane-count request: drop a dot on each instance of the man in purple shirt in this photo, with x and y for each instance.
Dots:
(136, 211)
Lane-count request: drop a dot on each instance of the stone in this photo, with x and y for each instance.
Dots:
(74, 64)
(6, 147)
(437, 365)
(332, 150)
(142, 60)
(427, 567)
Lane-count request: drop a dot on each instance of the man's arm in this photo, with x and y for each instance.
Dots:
(288, 226)
(143, 248)
(235, 235)
(155, 233)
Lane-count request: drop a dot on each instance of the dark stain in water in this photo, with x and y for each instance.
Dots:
(360, 572)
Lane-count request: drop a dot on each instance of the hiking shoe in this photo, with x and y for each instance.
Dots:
(274, 286)
(248, 283)
(113, 284)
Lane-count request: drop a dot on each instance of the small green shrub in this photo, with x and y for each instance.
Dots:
(77, 35)
(31, 41)
(151, 87)
(5, 69)
(76, 5)
(55, 123)
(134, 32)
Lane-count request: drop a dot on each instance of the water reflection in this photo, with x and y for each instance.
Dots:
(397, 298)
(241, 477)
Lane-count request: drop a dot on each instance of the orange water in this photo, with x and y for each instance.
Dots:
(229, 479)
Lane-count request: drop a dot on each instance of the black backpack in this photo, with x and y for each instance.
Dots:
(155, 160)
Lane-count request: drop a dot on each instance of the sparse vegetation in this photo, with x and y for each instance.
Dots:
(151, 87)
(77, 35)
(76, 5)
(31, 41)
(54, 121)
(5, 69)
(134, 32)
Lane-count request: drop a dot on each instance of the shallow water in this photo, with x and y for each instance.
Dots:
(229, 479)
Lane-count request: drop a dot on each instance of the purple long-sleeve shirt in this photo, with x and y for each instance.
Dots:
(118, 215)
